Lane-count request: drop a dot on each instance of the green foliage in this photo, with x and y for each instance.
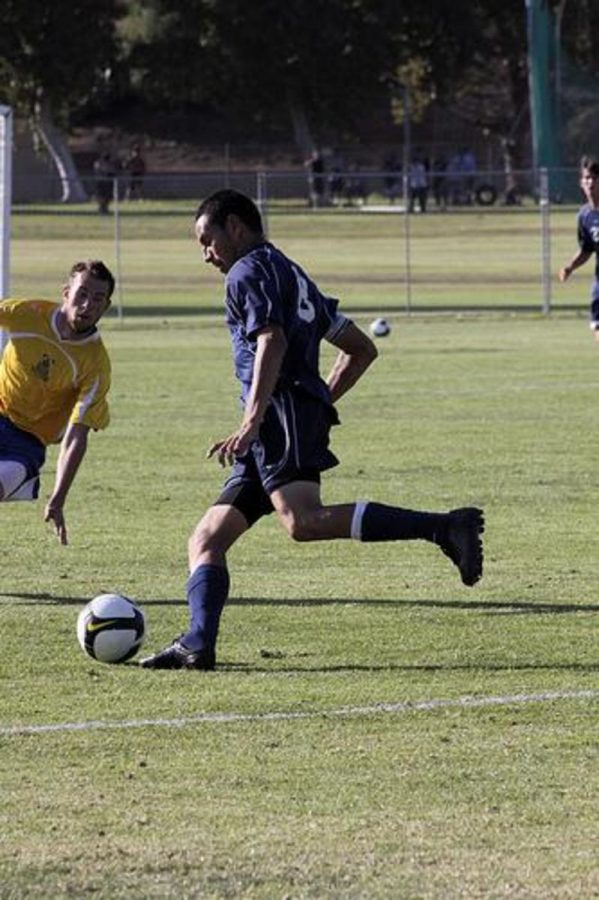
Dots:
(231, 54)
(60, 53)
(413, 76)
(270, 63)
(579, 29)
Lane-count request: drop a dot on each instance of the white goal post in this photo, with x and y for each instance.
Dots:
(6, 128)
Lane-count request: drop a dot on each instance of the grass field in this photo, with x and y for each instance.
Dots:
(334, 753)
(465, 258)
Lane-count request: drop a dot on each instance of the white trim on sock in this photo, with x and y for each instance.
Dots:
(356, 522)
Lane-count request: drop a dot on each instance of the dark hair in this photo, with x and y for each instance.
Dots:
(220, 205)
(590, 163)
(97, 269)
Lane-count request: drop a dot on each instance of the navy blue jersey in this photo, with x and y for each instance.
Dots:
(588, 233)
(265, 287)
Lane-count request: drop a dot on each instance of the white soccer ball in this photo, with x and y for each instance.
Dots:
(380, 328)
(111, 628)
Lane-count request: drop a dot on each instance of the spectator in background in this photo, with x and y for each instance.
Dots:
(356, 188)
(513, 191)
(392, 177)
(440, 183)
(418, 183)
(105, 171)
(336, 185)
(336, 179)
(135, 167)
(468, 172)
(453, 179)
(316, 178)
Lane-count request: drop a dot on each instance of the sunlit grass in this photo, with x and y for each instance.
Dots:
(490, 802)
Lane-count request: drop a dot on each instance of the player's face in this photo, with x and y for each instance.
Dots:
(85, 300)
(590, 186)
(218, 245)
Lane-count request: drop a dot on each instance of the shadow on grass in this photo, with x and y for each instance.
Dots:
(288, 669)
(491, 607)
(20, 599)
(488, 606)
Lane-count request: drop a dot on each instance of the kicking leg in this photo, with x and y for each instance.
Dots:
(457, 533)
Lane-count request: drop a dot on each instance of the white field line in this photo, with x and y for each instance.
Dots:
(344, 711)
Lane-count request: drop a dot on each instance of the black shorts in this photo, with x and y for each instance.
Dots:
(293, 445)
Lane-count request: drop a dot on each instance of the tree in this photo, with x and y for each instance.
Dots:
(54, 59)
(470, 55)
(577, 76)
(315, 67)
(320, 66)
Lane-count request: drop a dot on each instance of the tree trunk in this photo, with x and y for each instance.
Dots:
(56, 145)
(301, 130)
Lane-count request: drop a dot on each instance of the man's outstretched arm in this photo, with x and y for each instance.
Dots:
(356, 353)
(72, 451)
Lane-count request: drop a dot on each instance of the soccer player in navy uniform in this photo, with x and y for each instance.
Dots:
(588, 234)
(54, 381)
(277, 318)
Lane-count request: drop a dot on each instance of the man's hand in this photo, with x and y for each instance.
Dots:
(237, 444)
(271, 346)
(54, 514)
(564, 273)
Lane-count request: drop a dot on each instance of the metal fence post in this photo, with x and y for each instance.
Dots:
(407, 242)
(262, 199)
(117, 248)
(545, 208)
(6, 152)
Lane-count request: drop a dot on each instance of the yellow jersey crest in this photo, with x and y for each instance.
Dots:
(46, 382)
(42, 367)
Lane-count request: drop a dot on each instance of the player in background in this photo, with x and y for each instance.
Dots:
(588, 234)
(54, 378)
(277, 318)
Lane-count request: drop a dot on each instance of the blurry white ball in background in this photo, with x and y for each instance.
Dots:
(380, 328)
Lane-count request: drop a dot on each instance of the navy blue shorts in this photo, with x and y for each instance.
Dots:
(293, 445)
(21, 446)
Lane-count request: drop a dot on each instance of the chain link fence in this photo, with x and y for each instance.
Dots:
(485, 241)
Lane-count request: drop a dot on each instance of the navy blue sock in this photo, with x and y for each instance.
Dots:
(207, 592)
(391, 523)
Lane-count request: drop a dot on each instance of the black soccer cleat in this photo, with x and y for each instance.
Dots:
(462, 543)
(178, 656)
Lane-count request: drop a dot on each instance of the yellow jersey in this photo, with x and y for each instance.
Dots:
(47, 381)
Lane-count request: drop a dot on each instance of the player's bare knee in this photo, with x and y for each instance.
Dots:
(302, 528)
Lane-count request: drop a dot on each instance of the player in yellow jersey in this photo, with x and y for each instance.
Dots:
(54, 379)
